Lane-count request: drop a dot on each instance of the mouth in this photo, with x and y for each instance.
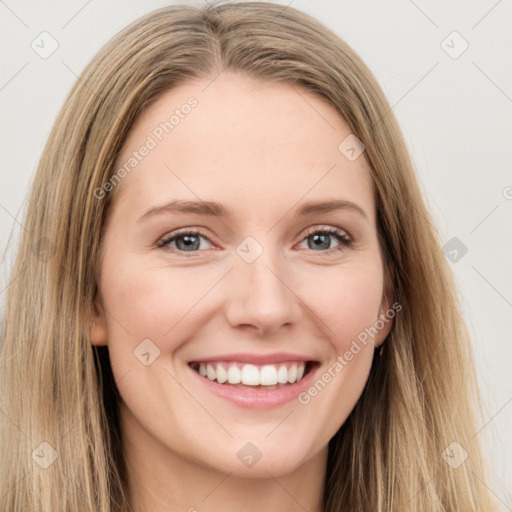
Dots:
(254, 377)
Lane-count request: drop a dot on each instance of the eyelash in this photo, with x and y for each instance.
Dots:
(344, 239)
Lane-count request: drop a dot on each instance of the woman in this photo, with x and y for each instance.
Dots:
(230, 293)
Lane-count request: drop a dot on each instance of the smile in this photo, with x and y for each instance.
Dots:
(243, 374)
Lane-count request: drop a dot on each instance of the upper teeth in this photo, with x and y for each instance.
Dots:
(252, 375)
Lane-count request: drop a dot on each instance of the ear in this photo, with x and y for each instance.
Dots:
(98, 329)
(386, 311)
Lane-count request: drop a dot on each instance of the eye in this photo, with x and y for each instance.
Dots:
(320, 239)
(186, 241)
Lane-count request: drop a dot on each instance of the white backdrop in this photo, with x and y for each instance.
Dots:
(446, 69)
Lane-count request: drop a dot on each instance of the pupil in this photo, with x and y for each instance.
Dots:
(190, 242)
(320, 241)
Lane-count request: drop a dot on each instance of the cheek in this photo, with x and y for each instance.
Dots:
(347, 301)
(158, 303)
(150, 303)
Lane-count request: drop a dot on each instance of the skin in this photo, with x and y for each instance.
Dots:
(262, 150)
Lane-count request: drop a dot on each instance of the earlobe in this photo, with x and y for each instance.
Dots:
(98, 329)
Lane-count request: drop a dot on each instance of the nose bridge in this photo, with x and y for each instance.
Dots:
(262, 295)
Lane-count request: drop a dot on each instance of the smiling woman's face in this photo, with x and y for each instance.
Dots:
(266, 280)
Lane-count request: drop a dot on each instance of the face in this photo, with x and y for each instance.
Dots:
(242, 244)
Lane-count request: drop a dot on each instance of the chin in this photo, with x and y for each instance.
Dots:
(247, 460)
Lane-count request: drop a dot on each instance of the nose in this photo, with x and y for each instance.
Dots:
(261, 297)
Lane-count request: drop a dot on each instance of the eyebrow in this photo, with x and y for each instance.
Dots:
(213, 209)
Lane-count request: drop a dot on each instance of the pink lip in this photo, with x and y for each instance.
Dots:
(256, 359)
(258, 398)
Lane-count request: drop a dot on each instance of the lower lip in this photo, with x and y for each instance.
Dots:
(258, 398)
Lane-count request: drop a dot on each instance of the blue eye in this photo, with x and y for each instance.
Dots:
(318, 240)
(189, 241)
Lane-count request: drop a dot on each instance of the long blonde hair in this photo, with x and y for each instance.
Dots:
(58, 389)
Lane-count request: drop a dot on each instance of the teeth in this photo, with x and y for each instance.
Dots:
(268, 375)
(210, 372)
(282, 374)
(252, 375)
(222, 375)
(292, 374)
(234, 374)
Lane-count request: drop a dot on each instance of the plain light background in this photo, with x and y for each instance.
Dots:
(454, 105)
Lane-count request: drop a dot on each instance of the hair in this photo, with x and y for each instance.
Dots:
(58, 388)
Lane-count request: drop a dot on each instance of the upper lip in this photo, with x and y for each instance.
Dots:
(256, 359)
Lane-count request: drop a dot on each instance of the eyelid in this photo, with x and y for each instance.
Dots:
(328, 229)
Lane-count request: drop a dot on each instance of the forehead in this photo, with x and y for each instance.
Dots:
(237, 137)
